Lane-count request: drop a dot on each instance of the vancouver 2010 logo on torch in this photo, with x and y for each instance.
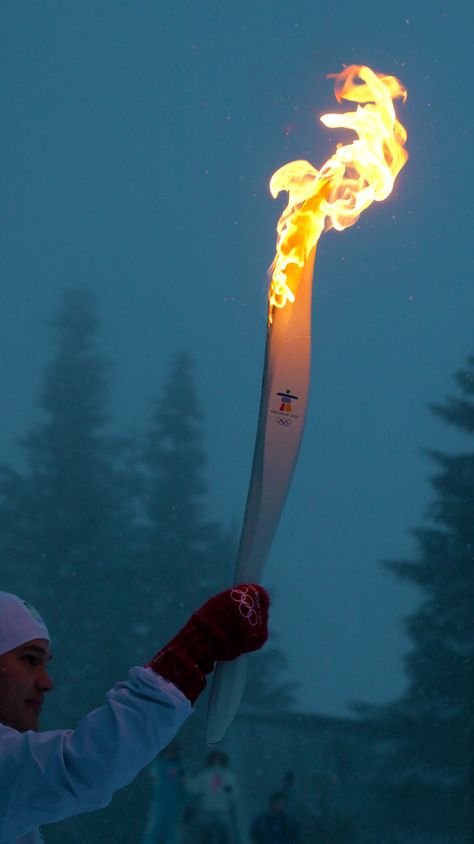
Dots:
(284, 415)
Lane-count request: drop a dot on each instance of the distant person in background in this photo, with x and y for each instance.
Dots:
(167, 798)
(302, 811)
(276, 825)
(216, 790)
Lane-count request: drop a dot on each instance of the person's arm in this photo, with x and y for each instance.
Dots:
(47, 777)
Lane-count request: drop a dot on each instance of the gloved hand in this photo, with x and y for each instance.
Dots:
(229, 624)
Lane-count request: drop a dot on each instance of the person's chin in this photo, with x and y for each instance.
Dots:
(31, 720)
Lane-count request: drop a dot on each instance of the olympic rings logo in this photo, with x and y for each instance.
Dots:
(247, 605)
(283, 420)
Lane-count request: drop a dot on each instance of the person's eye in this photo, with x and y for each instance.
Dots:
(31, 660)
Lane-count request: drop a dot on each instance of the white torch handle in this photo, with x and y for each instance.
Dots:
(228, 686)
(279, 433)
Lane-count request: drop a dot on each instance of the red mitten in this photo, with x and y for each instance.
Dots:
(229, 624)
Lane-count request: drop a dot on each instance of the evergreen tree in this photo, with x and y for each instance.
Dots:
(427, 745)
(65, 521)
(183, 553)
(67, 534)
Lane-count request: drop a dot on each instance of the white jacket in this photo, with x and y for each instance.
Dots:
(46, 777)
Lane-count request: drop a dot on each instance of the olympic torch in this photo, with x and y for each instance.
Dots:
(333, 197)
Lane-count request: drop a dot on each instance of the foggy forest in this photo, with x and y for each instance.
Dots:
(113, 533)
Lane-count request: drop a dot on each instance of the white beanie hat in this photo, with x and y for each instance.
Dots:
(19, 623)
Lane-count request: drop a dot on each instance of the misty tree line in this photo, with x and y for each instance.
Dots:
(109, 536)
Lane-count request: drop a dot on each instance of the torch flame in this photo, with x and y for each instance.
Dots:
(355, 176)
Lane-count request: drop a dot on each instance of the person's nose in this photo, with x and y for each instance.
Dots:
(44, 682)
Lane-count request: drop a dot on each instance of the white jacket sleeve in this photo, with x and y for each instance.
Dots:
(46, 777)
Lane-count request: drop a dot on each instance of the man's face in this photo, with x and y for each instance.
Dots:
(24, 679)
